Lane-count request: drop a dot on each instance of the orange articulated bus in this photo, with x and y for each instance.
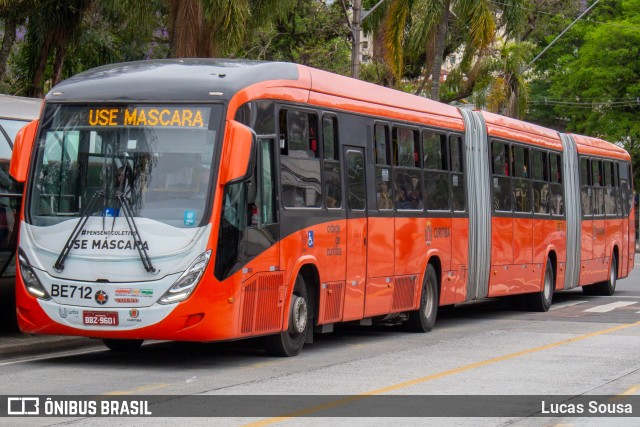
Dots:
(208, 200)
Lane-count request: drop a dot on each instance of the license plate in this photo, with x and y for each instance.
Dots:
(100, 318)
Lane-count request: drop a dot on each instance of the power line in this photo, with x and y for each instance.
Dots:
(562, 15)
(586, 105)
(602, 102)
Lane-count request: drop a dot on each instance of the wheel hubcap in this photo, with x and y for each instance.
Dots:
(612, 276)
(547, 286)
(299, 315)
(428, 304)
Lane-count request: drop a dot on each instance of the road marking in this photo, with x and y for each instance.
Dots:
(565, 304)
(608, 307)
(438, 375)
(51, 356)
(140, 389)
(631, 391)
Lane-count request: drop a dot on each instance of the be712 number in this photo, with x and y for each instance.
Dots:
(70, 291)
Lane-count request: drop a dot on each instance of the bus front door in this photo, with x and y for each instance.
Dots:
(356, 233)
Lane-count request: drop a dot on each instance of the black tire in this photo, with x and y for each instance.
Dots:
(541, 301)
(123, 346)
(289, 343)
(609, 287)
(423, 319)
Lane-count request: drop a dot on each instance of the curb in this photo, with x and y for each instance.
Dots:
(29, 345)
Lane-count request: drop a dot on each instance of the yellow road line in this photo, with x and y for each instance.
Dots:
(631, 391)
(140, 389)
(438, 375)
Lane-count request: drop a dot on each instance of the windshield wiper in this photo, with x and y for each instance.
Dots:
(59, 265)
(137, 241)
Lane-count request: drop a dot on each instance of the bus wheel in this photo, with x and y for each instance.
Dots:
(541, 301)
(609, 287)
(124, 346)
(423, 319)
(289, 343)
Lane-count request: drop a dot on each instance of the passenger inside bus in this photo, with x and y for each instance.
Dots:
(384, 196)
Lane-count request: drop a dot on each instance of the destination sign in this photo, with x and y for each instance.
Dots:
(156, 116)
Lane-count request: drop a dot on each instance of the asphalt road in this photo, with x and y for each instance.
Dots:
(583, 346)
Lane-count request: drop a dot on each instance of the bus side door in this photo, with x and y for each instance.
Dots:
(356, 233)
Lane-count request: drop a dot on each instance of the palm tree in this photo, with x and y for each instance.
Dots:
(206, 28)
(435, 28)
(504, 89)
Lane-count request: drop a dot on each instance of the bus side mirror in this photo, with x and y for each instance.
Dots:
(236, 153)
(21, 155)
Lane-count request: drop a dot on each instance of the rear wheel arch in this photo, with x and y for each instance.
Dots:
(434, 260)
(553, 258)
(311, 275)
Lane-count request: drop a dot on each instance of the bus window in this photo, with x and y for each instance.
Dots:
(540, 178)
(355, 180)
(501, 184)
(408, 178)
(625, 193)
(434, 150)
(382, 144)
(556, 198)
(521, 184)
(299, 159)
(405, 147)
(585, 185)
(331, 179)
(611, 190)
(384, 190)
(458, 198)
(436, 190)
(597, 184)
(267, 206)
(436, 177)
(265, 123)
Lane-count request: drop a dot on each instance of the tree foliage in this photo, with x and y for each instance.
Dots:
(313, 34)
(591, 80)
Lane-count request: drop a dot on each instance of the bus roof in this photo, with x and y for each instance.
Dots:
(599, 147)
(19, 107)
(198, 80)
(517, 130)
(357, 92)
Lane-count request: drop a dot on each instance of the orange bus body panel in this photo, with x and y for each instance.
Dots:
(21, 154)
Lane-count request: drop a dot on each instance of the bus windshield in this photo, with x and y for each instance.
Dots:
(157, 157)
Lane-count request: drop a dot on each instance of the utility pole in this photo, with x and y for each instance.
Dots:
(355, 24)
(356, 29)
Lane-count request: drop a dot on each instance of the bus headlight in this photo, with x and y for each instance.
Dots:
(187, 281)
(29, 278)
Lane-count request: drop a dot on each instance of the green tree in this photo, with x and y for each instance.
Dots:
(591, 80)
(13, 14)
(313, 34)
